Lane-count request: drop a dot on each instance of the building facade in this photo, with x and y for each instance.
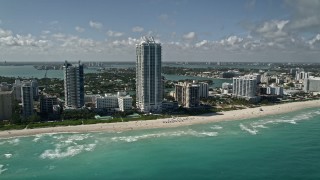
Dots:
(27, 99)
(125, 103)
(73, 85)
(5, 105)
(203, 90)
(245, 87)
(107, 102)
(188, 94)
(47, 103)
(312, 84)
(149, 89)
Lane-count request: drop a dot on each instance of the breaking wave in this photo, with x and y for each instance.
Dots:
(68, 146)
(167, 134)
(216, 127)
(14, 141)
(70, 151)
(7, 155)
(252, 128)
(245, 128)
(2, 169)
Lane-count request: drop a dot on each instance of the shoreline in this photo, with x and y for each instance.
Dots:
(168, 122)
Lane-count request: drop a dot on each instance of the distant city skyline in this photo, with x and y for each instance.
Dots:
(188, 30)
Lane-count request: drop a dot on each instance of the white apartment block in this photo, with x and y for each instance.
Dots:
(125, 103)
(245, 87)
(107, 102)
(312, 84)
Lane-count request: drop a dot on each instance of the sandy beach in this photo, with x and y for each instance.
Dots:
(169, 122)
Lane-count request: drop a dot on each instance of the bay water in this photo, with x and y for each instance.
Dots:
(285, 146)
(29, 71)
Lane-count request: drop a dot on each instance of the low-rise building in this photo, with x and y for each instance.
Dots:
(107, 102)
(170, 105)
(110, 102)
(125, 103)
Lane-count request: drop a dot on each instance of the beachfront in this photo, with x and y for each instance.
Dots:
(169, 122)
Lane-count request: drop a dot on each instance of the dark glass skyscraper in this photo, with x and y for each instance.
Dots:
(73, 85)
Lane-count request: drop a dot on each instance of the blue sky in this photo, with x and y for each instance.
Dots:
(189, 30)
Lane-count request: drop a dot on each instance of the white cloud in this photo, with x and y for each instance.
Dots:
(59, 36)
(232, 40)
(7, 38)
(46, 32)
(137, 29)
(272, 29)
(201, 43)
(79, 29)
(5, 33)
(190, 36)
(114, 33)
(305, 15)
(314, 41)
(96, 25)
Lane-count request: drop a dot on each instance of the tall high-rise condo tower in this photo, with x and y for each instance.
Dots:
(27, 99)
(73, 85)
(148, 76)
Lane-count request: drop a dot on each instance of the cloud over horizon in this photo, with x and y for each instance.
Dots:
(294, 36)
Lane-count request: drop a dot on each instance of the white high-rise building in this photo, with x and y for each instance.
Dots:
(149, 93)
(27, 99)
(312, 84)
(17, 93)
(73, 85)
(302, 75)
(245, 87)
(203, 90)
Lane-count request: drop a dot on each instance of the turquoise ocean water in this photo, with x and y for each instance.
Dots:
(285, 146)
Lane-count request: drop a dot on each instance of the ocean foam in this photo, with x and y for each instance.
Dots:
(216, 127)
(167, 134)
(70, 151)
(8, 155)
(209, 133)
(257, 125)
(2, 169)
(245, 128)
(14, 141)
(68, 146)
